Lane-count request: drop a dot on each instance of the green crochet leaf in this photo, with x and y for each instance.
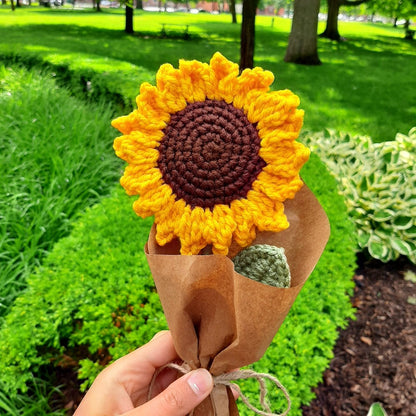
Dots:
(265, 264)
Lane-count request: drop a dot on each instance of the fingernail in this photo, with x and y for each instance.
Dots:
(200, 381)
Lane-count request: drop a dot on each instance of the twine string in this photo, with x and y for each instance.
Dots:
(226, 379)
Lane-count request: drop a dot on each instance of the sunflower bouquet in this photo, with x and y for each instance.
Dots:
(213, 156)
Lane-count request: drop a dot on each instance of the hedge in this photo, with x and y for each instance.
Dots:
(88, 77)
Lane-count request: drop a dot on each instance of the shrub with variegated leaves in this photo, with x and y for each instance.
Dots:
(378, 181)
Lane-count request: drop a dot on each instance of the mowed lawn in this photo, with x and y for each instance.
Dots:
(365, 85)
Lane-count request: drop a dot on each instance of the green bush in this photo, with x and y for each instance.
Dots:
(55, 159)
(378, 181)
(93, 300)
(89, 77)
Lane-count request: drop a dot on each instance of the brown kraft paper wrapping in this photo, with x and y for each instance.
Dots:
(221, 320)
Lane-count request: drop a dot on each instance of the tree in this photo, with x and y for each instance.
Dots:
(129, 18)
(96, 5)
(396, 9)
(129, 13)
(303, 39)
(233, 11)
(139, 4)
(331, 30)
(248, 33)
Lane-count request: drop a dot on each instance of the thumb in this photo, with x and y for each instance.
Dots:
(180, 397)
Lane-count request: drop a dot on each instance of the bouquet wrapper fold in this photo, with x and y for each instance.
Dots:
(221, 320)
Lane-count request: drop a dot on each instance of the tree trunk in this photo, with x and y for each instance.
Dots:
(247, 34)
(139, 4)
(129, 20)
(408, 33)
(98, 5)
(331, 30)
(12, 5)
(232, 11)
(303, 39)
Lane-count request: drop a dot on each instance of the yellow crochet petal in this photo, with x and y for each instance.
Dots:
(167, 221)
(153, 200)
(219, 228)
(137, 141)
(151, 104)
(284, 161)
(196, 78)
(137, 121)
(169, 82)
(135, 153)
(251, 83)
(190, 229)
(288, 122)
(243, 213)
(226, 73)
(277, 137)
(274, 108)
(222, 67)
(285, 152)
(122, 124)
(276, 221)
(270, 214)
(277, 188)
(138, 179)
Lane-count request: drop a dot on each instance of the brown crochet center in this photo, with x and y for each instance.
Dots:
(209, 154)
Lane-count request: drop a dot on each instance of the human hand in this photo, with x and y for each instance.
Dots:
(121, 389)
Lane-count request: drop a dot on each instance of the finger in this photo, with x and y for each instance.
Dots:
(124, 384)
(156, 353)
(159, 351)
(180, 398)
(164, 378)
(158, 334)
(235, 390)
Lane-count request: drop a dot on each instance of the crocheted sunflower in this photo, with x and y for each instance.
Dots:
(212, 154)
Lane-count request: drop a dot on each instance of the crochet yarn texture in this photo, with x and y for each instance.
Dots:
(212, 154)
(209, 154)
(265, 264)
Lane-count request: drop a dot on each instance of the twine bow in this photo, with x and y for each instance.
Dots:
(226, 379)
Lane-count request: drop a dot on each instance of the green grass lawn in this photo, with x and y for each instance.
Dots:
(365, 86)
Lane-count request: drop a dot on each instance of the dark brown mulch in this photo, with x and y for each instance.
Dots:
(375, 357)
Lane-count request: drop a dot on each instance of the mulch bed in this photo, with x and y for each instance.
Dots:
(375, 357)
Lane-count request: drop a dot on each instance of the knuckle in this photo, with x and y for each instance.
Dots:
(173, 400)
